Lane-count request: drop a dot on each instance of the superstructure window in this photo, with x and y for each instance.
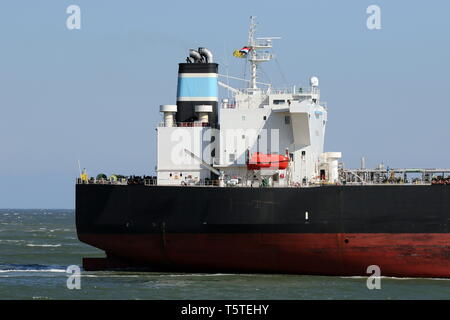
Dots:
(287, 119)
(279, 101)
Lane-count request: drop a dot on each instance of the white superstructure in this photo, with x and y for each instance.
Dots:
(289, 122)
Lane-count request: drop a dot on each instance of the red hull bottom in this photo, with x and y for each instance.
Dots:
(399, 255)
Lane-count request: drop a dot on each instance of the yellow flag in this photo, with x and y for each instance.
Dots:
(238, 54)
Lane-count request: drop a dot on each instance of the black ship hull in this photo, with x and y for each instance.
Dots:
(334, 230)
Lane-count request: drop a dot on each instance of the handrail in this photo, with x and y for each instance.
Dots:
(189, 124)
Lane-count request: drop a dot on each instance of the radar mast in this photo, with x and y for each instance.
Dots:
(258, 51)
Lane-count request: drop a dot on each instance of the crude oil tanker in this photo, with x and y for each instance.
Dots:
(244, 185)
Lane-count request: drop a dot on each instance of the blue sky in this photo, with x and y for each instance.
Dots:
(93, 94)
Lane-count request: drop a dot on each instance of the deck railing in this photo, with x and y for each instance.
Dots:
(189, 124)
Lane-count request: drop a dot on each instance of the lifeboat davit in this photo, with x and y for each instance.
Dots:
(260, 160)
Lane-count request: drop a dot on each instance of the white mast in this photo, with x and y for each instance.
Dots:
(251, 43)
(255, 55)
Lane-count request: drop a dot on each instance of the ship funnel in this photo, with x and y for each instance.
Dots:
(197, 86)
(207, 54)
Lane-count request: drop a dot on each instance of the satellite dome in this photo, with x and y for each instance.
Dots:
(314, 81)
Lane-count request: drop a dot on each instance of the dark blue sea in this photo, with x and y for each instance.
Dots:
(37, 246)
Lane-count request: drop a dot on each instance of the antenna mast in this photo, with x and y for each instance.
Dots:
(251, 43)
(256, 55)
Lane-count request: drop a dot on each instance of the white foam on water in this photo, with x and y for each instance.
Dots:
(43, 245)
(32, 270)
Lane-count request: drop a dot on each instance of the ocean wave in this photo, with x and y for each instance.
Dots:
(8, 268)
(32, 270)
(110, 276)
(9, 240)
(43, 245)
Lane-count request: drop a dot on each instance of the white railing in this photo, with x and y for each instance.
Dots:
(189, 124)
(133, 180)
(102, 181)
(263, 43)
(296, 90)
(261, 56)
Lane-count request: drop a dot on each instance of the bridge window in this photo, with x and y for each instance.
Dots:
(279, 101)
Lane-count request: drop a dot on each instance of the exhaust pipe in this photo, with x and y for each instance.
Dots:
(195, 55)
(205, 53)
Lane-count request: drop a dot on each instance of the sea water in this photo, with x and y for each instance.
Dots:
(37, 246)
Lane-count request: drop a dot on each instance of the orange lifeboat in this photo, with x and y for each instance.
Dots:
(267, 161)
